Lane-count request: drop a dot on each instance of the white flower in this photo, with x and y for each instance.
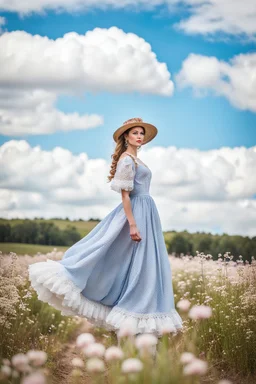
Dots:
(114, 353)
(195, 367)
(95, 364)
(127, 328)
(200, 312)
(187, 357)
(77, 362)
(224, 382)
(95, 349)
(6, 370)
(145, 341)
(20, 362)
(84, 339)
(131, 365)
(36, 358)
(34, 378)
(183, 305)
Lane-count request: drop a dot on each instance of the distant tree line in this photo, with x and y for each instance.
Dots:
(33, 232)
(189, 243)
(47, 233)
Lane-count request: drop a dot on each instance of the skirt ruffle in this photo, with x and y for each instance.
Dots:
(54, 287)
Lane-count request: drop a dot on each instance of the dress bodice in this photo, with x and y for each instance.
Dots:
(132, 175)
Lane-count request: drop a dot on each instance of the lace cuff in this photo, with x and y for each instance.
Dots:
(124, 176)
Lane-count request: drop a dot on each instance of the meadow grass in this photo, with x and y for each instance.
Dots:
(222, 344)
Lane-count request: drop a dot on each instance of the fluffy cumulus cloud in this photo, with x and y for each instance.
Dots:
(203, 190)
(101, 60)
(234, 17)
(32, 77)
(235, 80)
(32, 112)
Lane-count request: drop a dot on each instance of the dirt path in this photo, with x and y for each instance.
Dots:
(63, 365)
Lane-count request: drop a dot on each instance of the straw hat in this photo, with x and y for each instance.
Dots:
(150, 130)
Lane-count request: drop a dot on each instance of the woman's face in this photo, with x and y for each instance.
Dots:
(135, 136)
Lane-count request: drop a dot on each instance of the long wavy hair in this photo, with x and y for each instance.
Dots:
(119, 149)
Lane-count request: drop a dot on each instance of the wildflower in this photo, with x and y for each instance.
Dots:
(84, 339)
(200, 312)
(195, 367)
(95, 349)
(37, 358)
(77, 362)
(166, 329)
(183, 305)
(34, 378)
(6, 371)
(224, 382)
(20, 362)
(114, 353)
(6, 362)
(131, 365)
(145, 341)
(95, 364)
(187, 357)
(127, 328)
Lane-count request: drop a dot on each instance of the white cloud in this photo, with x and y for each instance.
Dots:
(205, 17)
(235, 80)
(234, 17)
(33, 113)
(2, 23)
(203, 190)
(35, 70)
(101, 60)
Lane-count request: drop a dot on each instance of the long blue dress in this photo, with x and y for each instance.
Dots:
(107, 277)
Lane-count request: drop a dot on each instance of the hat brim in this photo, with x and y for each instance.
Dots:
(150, 131)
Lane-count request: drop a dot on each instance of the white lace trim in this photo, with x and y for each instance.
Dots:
(146, 322)
(53, 286)
(124, 176)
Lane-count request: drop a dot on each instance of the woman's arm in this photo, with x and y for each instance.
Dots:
(134, 232)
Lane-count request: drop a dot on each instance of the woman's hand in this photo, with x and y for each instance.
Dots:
(134, 233)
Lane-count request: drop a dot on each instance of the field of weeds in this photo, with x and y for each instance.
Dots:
(216, 299)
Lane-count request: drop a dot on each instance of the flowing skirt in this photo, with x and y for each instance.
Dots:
(107, 278)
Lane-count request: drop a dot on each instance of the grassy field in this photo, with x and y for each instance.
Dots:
(83, 227)
(29, 249)
(213, 347)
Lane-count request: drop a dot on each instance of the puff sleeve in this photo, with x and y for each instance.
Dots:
(124, 176)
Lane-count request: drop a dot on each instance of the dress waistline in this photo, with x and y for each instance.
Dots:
(140, 194)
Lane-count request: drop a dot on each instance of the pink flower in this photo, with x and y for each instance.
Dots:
(95, 349)
(36, 358)
(145, 341)
(195, 367)
(114, 353)
(95, 364)
(84, 339)
(166, 329)
(34, 378)
(132, 365)
(200, 312)
(77, 362)
(127, 328)
(183, 305)
(20, 361)
(187, 357)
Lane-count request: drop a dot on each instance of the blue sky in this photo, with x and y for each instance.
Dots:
(63, 96)
(184, 120)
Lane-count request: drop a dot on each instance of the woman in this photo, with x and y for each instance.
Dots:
(120, 270)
